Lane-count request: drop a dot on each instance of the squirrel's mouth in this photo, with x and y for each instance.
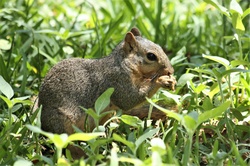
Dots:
(154, 77)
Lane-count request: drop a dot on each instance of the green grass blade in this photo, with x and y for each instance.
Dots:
(5, 88)
(146, 11)
(158, 20)
(131, 7)
(3, 69)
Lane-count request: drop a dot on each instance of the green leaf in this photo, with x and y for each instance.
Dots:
(92, 113)
(187, 150)
(191, 86)
(96, 143)
(221, 155)
(5, 44)
(235, 63)
(16, 107)
(214, 90)
(158, 145)
(38, 130)
(147, 135)
(46, 31)
(103, 101)
(219, 7)
(215, 148)
(114, 160)
(235, 7)
(194, 115)
(218, 59)
(218, 74)
(207, 104)
(180, 56)
(80, 33)
(47, 160)
(60, 141)
(206, 71)
(184, 79)
(68, 50)
(237, 22)
(246, 12)
(169, 113)
(16, 11)
(236, 153)
(213, 113)
(242, 128)
(199, 88)
(22, 100)
(64, 34)
(84, 136)
(189, 123)
(156, 158)
(99, 128)
(158, 142)
(131, 120)
(35, 129)
(118, 138)
(7, 101)
(245, 83)
(238, 114)
(22, 162)
(5, 88)
(44, 54)
(62, 161)
(235, 70)
(3, 69)
(27, 43)
(169, 95)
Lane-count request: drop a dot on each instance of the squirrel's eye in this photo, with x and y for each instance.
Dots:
(151, 57)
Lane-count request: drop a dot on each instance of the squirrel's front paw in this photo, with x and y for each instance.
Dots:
(166, 81)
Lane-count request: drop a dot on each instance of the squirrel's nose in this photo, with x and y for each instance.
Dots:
(168, 70)
(171, 70)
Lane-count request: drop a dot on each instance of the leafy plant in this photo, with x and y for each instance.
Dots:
(191, 122)
(100, 105)
(61, 141)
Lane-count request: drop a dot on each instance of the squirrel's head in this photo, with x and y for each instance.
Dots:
(146, 58)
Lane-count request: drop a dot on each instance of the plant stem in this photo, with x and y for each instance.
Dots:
(59, 153)
(187, 151)
(230, 91)
(221, 91)
(240, 46)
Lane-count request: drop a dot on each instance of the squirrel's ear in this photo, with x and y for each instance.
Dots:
(129, 42)
(136, 32)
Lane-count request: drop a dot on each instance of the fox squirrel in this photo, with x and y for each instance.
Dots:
(136, 69)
